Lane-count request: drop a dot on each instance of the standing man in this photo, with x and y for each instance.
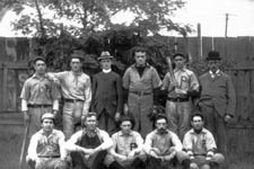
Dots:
(180, 84)
(46, 146)
(163, 147)
(217, 101)
(38, 96)
(76, 91)
(88, 147)
(107, 99)
(140, 81)
(200, 145)
(127, 150)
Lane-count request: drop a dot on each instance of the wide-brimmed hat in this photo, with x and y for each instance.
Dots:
(105, 55)
(213, 55)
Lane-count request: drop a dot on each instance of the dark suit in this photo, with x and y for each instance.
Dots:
(217, 100)
(107, 98)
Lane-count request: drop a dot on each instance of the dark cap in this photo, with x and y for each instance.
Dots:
(77, 54)
(161, 116)
(39, 58)
(105, 55)
(128, 117)
(213, 55)
(179, 54)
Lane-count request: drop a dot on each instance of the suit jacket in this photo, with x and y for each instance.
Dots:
(107, 93)
(220, 90)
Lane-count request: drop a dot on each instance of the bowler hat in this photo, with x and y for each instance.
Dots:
(213, 55)
(47, 116)
(105, 55)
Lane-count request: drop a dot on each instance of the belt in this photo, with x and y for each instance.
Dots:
(73, 100)
(48, 156)
(39, 105)
(140, 93)
(178, 99)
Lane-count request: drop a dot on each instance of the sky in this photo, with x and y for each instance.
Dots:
(211, 14)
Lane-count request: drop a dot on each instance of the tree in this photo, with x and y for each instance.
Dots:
(90, 16)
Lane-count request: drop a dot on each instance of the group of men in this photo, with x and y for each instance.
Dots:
(99, 105)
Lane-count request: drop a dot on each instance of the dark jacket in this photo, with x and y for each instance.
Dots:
(219, 91)
(107, 93)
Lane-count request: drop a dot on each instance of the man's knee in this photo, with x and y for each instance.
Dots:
(30, 162)
(218, 158)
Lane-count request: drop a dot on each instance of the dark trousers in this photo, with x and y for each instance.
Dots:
(94, 162)
(137, 164)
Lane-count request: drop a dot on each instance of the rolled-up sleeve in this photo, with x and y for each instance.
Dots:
(107, 141)
(126, 79)
(88, 96)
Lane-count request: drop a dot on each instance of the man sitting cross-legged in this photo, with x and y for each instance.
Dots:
(200, 145)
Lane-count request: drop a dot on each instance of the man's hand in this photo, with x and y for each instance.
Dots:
(153, 154)
(227, 118)
(132, 154)
(117, 116)
(125, 109)
(26, 117)
(121, 158)
(55, 112)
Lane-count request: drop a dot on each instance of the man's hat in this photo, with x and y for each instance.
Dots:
(105, 55)
(47, 116)
(39, 58)
(128, 117)
(77, 54)
(179, 54)
(213, 55)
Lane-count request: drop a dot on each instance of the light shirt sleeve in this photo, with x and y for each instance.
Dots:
(31, 151)
(210, 142)
(156, 81)
(126, 79)
(61, 142)
(24, 105)
(176, 142)
(194, 84)
(25, 93)
(88, 97)
(187, 142)
(107, 141)
(148, 143)
(70, 145)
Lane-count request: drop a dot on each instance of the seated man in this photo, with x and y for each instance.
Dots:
(46, 146)
(127, 150)
(200, 145)
(88, 146)
(163, 147)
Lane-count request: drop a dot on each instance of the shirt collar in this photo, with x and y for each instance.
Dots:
(146, 65)
(35, 76)
(106, 71)
(42, 133)
(122, 134)
(76, 74)
(183, 69)
(202, 131)
(217, 72)
(156, 132)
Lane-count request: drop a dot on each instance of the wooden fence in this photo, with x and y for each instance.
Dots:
(239, 52)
